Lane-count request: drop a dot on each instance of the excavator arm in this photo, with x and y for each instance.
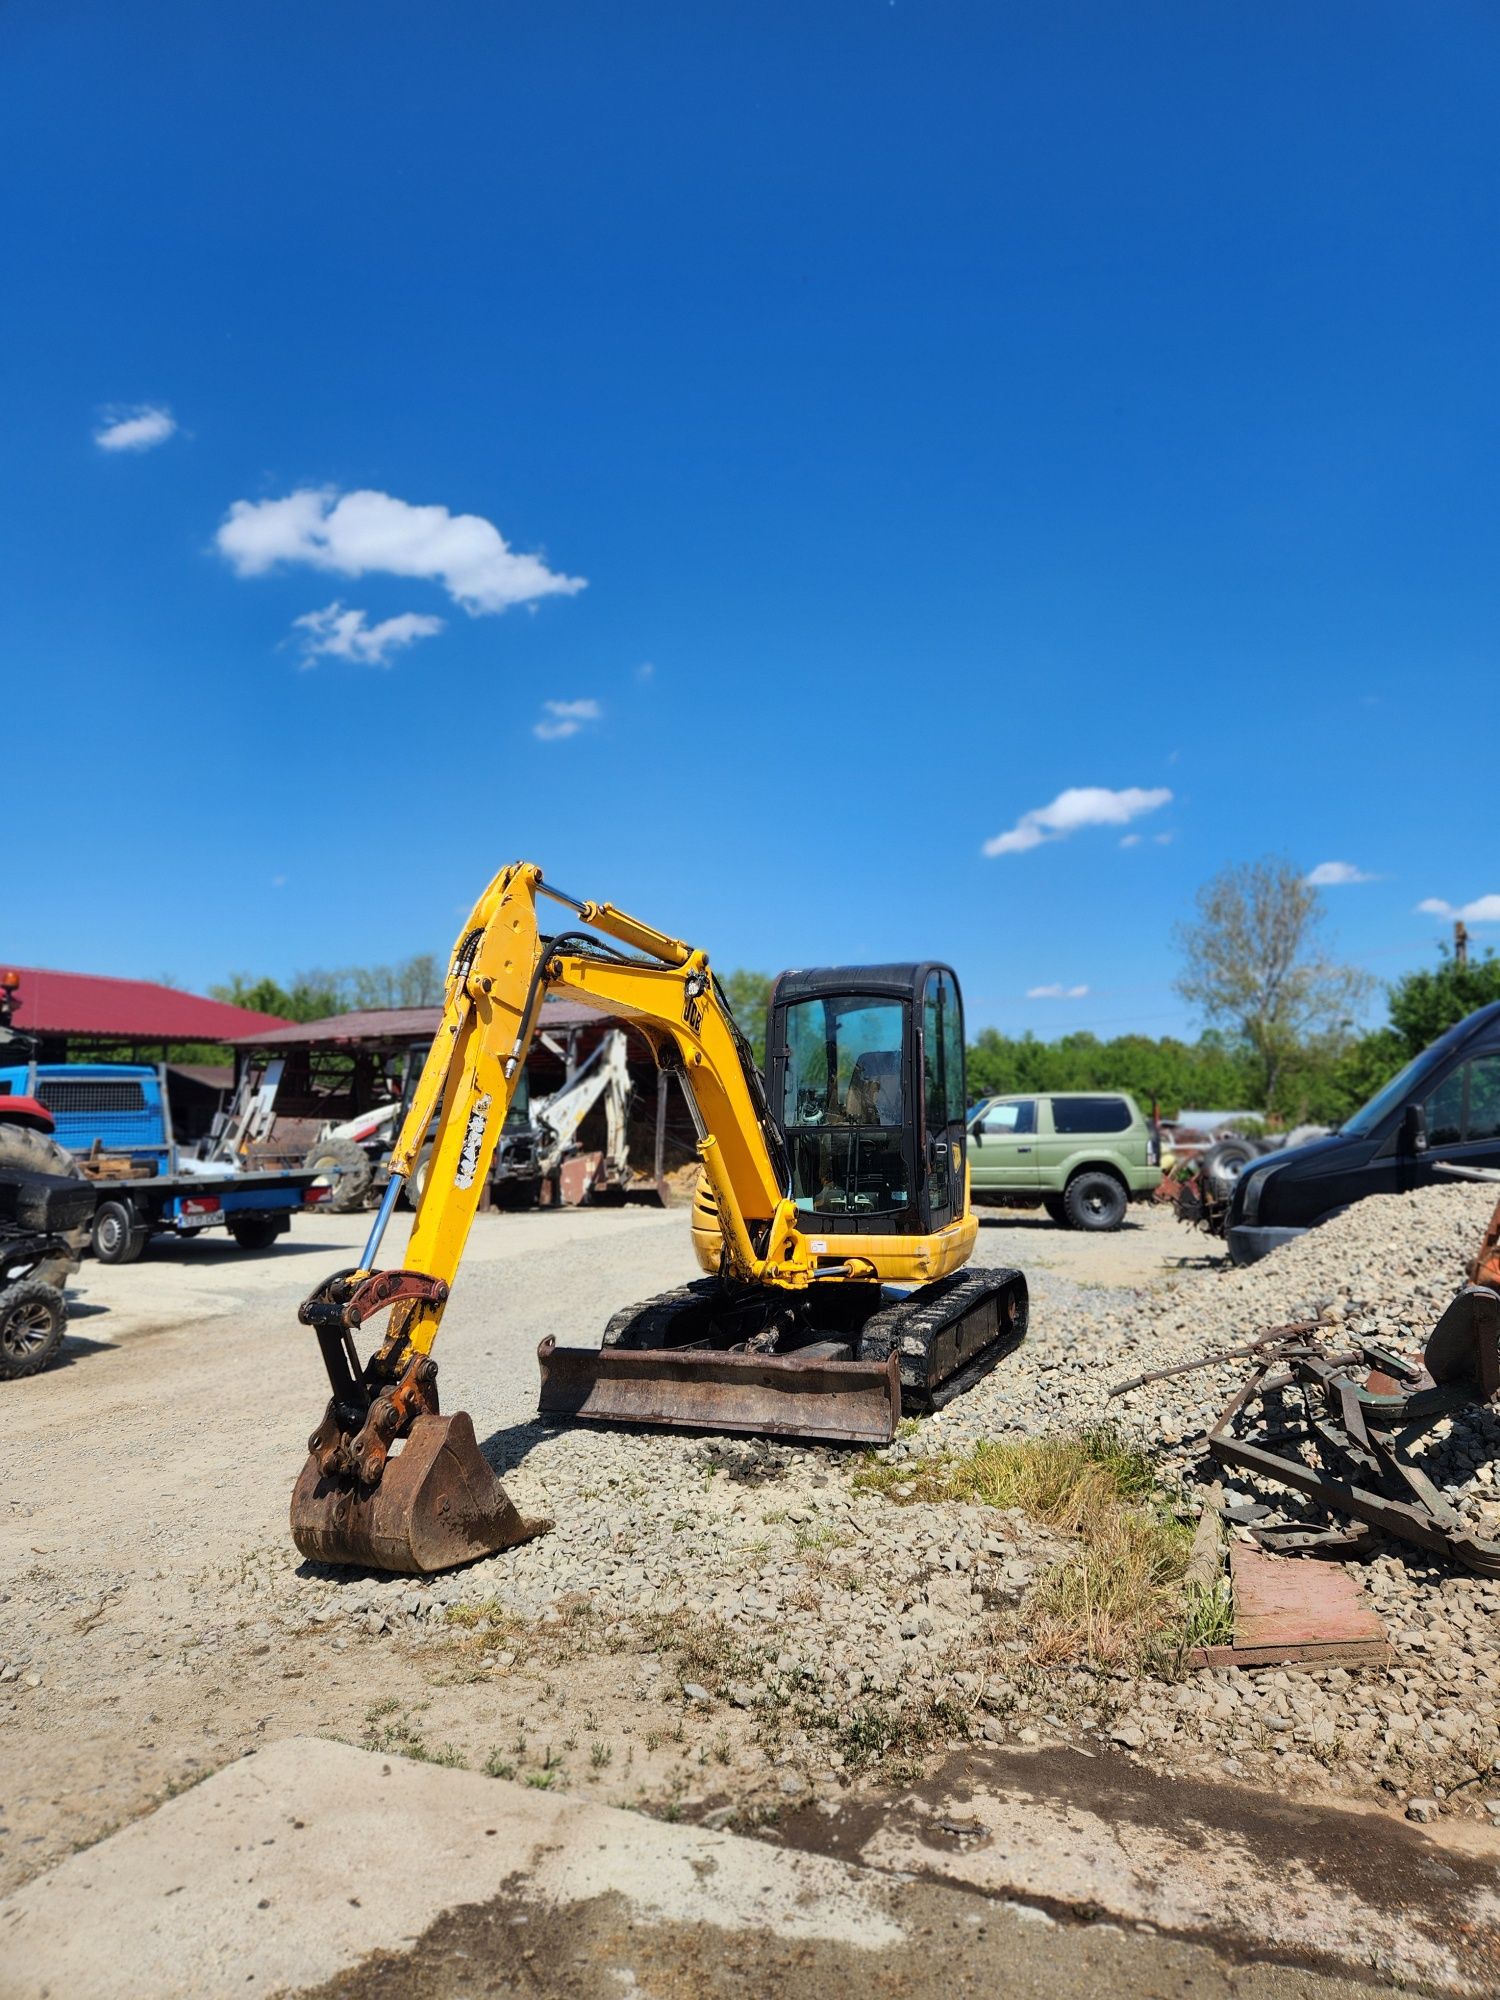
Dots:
(503, 967)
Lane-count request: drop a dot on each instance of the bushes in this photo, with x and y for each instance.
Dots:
(1211, 1071)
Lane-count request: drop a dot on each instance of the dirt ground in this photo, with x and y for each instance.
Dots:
(144, 1540)
(1151, 1248)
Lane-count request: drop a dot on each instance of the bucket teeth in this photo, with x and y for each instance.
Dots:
(437, 1505)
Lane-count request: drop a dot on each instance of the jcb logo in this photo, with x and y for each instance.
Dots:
(692, 1001)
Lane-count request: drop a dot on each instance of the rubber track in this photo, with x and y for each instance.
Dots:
(649, 1323)
(949, 1333)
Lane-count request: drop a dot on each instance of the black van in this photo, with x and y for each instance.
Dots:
(1444, 1107)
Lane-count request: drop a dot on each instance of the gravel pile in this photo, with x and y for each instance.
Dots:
(834, 1605)
(1385, 1269)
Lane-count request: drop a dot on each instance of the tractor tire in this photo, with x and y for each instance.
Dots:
(1056, 1207)
(255, 1232)
(117, 1237)
(33, 1317)
(347, 1169)
(416, 1180)
(1095, 1200)
(35, 1153)
(1223, 1162)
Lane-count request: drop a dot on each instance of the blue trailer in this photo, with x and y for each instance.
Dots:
(115, 1119)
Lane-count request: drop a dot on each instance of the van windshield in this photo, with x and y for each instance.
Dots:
(1369, 1115)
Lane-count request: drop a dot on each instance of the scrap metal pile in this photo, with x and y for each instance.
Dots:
(1341, 1427)
(1341, 1424)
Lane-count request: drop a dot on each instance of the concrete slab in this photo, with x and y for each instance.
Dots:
(291, 1865)
(1263, 1875)
(317, 1869)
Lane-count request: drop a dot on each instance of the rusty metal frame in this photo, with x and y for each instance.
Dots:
(1359, 1424)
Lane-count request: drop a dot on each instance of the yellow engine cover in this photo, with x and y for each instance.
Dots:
(897, 1260)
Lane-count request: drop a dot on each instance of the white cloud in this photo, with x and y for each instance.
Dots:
(346, 636)
(1333, 874)
(645, 671)
(565, 718)
(1056, 992)
(135, 429)
(1079, 806)
(1130, 840)
(1483, 910)
(357, 533)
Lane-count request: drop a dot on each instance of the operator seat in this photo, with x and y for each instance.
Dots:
(874, 1095)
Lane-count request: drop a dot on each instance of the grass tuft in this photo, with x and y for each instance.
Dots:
(1062, 1481)
(1118, 1597)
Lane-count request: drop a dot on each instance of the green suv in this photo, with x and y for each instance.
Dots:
(1082, 1155)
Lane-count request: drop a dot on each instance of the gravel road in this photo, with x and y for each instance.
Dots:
(714, 1627)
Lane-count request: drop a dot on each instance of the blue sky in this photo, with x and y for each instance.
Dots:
(874, 430)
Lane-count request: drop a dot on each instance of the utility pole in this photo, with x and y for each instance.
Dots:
(1460, 942)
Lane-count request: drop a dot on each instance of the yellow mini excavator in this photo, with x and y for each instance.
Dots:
(833, 1222)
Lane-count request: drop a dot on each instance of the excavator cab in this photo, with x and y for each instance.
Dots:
(865, 1076)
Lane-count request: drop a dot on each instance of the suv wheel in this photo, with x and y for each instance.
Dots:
(1095, 1200)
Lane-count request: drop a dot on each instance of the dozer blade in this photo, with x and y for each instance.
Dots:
(836, 1402)
(437, 1504)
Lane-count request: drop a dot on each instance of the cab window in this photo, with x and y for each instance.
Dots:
(932, 1054)
(953, 1049)
(843, 1106)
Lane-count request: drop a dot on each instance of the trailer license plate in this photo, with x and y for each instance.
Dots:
(200, 1218)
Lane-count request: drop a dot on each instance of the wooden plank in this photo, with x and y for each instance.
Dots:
(1353, 1653)
(1297, 1611)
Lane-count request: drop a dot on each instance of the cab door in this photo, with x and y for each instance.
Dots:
(944, 1098)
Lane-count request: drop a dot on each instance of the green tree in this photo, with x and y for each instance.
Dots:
(1423, 1005)
(749, 994)
(1254, 962)
(1213, 1071)
(302, 1002)
(411, 982)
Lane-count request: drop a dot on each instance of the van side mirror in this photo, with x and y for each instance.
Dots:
(1414, 1129)
(976, 1131)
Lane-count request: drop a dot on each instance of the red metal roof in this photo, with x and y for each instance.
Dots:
(86, 1003)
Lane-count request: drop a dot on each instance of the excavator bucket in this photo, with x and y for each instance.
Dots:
(437, 1505)
(806, 1395)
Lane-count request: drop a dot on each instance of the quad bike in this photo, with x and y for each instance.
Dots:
(38, 1214)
